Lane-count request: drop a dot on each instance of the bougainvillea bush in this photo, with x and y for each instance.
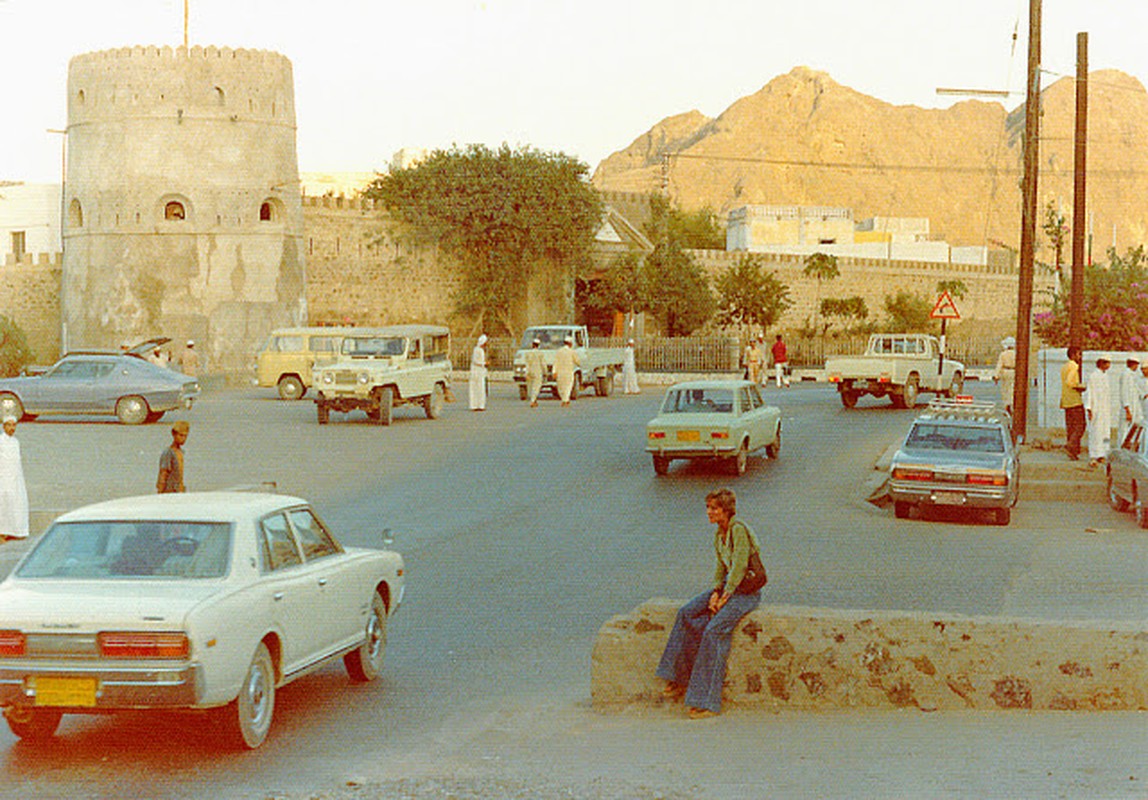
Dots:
(1115, 306)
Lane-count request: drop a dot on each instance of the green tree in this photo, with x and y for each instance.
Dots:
(1055, 227)
(500, 213)
(955, 287)
(677, 290)
(1115, 305)
(908, 313)
(822, 267)
(14, 351)
(748, 295)
(848, 309)
(691, 230)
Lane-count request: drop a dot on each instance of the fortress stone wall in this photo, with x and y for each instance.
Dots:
(366, 269)
(182, 206)
(991, 297)
(30, 296)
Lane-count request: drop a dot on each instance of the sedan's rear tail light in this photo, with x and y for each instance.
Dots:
(12, 643)
(719, 434)
(656, 435)
(114, 644)
(987, 478)
(912, 474)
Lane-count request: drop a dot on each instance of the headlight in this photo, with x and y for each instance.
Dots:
(364, 378)
(328, 377)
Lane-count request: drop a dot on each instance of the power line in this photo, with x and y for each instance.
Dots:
(876, 167)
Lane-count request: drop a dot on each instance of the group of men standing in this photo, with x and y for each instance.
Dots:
(188, 360)
(755, 361)
(566, 362)
(1089, 405)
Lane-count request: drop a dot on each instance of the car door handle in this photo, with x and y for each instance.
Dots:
(322, 581)
(277, 596)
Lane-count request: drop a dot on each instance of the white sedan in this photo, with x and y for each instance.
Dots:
(187, 601)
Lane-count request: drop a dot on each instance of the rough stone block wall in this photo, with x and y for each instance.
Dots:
(30, 295)
(819, 659)
(363, 268)
(991, 296)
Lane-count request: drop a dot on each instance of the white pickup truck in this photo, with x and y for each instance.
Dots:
(596, 365)
(900, 365)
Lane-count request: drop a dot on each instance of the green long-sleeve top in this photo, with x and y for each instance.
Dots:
(733, 551)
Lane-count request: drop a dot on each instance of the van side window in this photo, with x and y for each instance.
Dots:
(288, 344)
(324, 344)
(414, 350)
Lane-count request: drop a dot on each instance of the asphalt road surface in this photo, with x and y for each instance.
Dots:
(524, 530)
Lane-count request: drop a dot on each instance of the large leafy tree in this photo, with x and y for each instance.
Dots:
(1115, 305)
(667, 283)
(908, 313)
(500, 213)
(748, 295)
(821, 267)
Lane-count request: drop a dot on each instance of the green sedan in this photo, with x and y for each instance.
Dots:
(727, 420)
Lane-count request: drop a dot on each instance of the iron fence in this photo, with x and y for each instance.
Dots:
(703, 354)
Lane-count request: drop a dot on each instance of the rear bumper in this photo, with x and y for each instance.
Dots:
(176, 686)
(940, 495)
(713, 451)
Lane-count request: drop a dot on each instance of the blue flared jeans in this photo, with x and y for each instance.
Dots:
(696, 653)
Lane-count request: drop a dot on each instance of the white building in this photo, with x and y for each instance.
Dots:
(29, 221)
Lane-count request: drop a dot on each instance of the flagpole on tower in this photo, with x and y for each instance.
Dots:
(185, 4)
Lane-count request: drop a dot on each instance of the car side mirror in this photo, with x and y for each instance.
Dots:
(388, 537)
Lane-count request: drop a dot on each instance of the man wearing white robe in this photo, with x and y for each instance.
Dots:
(1131, 394)
(13, 491)
(564, 362)
(478, 375)
(1098, 406)
(629, 370)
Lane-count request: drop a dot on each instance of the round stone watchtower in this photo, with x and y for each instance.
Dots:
(182, 201)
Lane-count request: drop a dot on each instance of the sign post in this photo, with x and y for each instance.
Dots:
(944, 310)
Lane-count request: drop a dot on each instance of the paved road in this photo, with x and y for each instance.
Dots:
(523, 531)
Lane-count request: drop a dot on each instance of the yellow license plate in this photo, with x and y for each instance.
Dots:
(689, 436)
(75, 692)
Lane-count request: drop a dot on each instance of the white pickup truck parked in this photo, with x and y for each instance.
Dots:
(900, 365)
(596, 365)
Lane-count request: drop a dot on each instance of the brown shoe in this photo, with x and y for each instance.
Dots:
(701, 713)
(673, 691)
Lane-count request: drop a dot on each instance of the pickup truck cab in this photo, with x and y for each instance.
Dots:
(897, 365)
(596, 365)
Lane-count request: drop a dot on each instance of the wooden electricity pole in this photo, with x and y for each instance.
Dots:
(1028, 225)
(1079, 220)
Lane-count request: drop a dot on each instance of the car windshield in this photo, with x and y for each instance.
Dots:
(128, 549)
(548, 338)
(698, 401)
(374, 346)
(946, 436)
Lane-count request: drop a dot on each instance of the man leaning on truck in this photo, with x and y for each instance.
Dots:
(1072, 403)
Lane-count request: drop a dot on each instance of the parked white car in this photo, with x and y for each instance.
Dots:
(187, 601)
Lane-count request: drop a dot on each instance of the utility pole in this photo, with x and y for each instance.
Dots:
(1079, 220)
(1028, 225)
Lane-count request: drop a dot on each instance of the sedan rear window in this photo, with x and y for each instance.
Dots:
(942, 436)
(698, 401)
(131, 549)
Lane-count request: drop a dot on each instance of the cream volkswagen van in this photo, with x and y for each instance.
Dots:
(289, 354)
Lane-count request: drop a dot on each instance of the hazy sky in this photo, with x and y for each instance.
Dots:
(586, 77)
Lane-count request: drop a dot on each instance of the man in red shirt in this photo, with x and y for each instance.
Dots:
(780, 362)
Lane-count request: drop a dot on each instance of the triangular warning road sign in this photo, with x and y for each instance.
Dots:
(945, 308)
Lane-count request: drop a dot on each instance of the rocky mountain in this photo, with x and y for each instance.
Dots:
(804, 139)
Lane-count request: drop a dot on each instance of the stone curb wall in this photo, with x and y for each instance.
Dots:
(786, 657)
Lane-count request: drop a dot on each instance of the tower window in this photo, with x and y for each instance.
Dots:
(75, 214)
(265, 212)
(174, 210)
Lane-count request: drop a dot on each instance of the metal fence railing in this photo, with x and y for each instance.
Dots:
(702, 354)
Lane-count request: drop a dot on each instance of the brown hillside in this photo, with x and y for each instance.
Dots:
(804, 139)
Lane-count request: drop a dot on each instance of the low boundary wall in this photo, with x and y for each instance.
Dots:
(786, 657)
